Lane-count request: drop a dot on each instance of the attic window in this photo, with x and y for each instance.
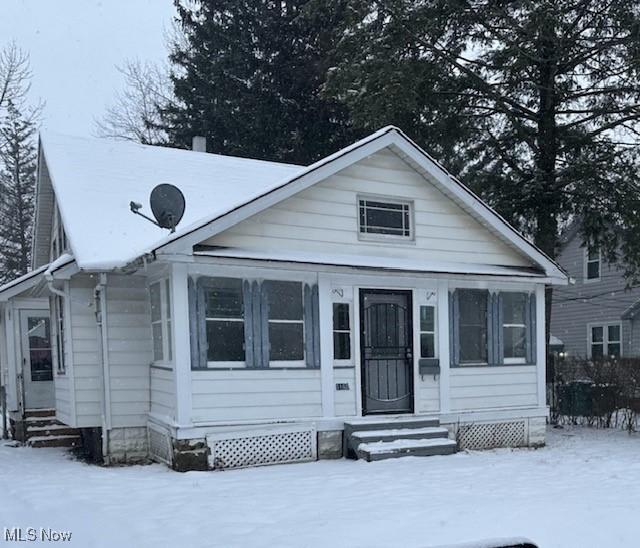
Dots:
(381, 217)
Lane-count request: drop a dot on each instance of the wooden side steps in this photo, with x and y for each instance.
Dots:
(44, 430)
(373, 440)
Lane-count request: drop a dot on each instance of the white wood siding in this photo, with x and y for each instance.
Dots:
(345, 400)
(324, 219)
(224, 395)
(129, 350)
(476, 388)
(87, 374)
(163, 392)
(63, 399)
(428, 394)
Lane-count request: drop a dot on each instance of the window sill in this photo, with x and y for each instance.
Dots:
(490, 366)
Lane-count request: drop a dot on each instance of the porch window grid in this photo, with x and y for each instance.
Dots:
(427, 331)
(342, 332)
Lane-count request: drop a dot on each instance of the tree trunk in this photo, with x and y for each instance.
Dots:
(546, 235)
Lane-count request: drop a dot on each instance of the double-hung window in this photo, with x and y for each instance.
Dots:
(286, 321)
(58, 305)
(427, 331)
(514, 327)
(605, 340)
(385, 218)
(592, 264)
(224, 317)
(253, 323)
(341, 332)
(492, 327)
(473, 326)
(160, 296)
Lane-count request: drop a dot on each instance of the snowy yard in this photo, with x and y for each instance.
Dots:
(583, 490)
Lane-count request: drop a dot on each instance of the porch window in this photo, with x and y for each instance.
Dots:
(253, 323)
(493, 327)
(286, 321)
(514, 327)
(58, 304)
(160, 296)
(385, 217)
(427, 332)
(605, 340)
(224, 317)
(473, 326)
(341, 332)
(592, 264)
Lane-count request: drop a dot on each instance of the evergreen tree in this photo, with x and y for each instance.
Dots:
(18, 158)
(248, 75)
(534, 103)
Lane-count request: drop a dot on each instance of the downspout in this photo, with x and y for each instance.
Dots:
(103, 357)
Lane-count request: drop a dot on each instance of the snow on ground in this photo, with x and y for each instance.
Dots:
(582, 490)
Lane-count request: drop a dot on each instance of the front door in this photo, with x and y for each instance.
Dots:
(37, 365)
(386, 351)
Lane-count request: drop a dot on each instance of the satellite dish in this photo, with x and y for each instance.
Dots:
(167, 204)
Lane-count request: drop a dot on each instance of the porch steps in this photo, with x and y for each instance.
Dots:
(377, 439)
(44, 430)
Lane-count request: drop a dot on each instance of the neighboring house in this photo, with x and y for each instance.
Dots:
(596, 315)
(370, 289)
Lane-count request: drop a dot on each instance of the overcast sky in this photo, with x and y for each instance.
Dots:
(75, 46)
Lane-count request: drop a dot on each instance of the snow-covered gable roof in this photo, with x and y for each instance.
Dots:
(95, 179)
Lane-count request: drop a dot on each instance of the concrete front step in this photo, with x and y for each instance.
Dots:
(377, 424)
(428, 447)
(369, 436)
(54, 441)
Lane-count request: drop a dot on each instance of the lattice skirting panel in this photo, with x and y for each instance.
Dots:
(491, 435)
(159, 444)
(257, 447)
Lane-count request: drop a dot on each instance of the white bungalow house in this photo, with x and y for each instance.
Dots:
(356, 305)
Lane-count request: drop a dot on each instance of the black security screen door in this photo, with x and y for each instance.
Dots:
(387, 351)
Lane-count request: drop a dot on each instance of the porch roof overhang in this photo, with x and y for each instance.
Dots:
(35, 280)
(391, 264)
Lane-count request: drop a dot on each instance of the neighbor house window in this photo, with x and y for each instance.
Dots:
(380, 217)
(286, 321)
(514, 327)
(605, 340)
(427, 332)
(224, 316)
(341, 332)
(473, 329)
(160, 296)
(59, 318)
(592, 264)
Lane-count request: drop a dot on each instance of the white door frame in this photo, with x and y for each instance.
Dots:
(47, 396)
